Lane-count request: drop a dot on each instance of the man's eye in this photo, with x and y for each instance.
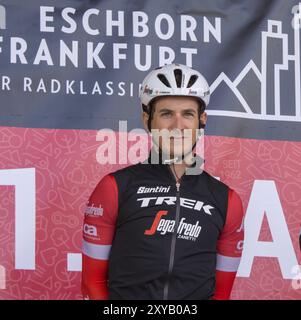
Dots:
(189, 114)
(165, 114)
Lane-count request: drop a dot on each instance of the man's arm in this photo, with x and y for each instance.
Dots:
(229, 248)
(98, 232)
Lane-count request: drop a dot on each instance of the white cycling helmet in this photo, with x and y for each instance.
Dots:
(174, 80)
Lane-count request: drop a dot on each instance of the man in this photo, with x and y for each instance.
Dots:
(164, 229)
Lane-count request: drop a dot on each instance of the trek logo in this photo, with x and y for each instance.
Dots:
(157, 189)
(94, 211)
(185, 230)
(90, 230)
(184, 202)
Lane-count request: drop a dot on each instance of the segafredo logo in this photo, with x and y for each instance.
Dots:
(187, 231)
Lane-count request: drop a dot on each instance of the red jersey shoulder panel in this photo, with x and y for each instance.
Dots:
(98, 232)
(101, 212)
(231, 238)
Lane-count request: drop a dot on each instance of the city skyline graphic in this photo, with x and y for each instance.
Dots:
(274, 31)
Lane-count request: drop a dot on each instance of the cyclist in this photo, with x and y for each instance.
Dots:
(164, 229)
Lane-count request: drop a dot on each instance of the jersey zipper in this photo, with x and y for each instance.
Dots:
(173, 239)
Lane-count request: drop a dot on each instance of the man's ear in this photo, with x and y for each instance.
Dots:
(145, 117)
(203, 119)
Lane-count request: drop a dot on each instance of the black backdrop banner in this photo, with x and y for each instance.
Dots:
(78, 64)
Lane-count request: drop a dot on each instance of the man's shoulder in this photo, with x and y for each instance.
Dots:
(214, 181)
(126, 171)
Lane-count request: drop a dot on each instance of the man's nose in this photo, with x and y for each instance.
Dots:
(178, 122)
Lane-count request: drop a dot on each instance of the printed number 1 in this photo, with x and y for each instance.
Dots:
(25, 214)
(25, 220)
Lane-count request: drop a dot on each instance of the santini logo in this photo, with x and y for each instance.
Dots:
(185, 230)
(159, 189)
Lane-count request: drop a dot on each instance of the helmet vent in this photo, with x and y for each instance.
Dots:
(192, 80)
(178, 76)
(163, 79)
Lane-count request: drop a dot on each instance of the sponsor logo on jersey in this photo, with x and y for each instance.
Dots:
(171, 201)
(157, 189)
(90, 230)
(94, 211)
(240, 245)
(187, 231)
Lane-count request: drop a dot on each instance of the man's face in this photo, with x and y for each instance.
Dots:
(175, 124)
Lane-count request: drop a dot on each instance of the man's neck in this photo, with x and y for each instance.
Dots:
(179, 169)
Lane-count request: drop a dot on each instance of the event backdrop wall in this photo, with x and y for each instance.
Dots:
(71, 68)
